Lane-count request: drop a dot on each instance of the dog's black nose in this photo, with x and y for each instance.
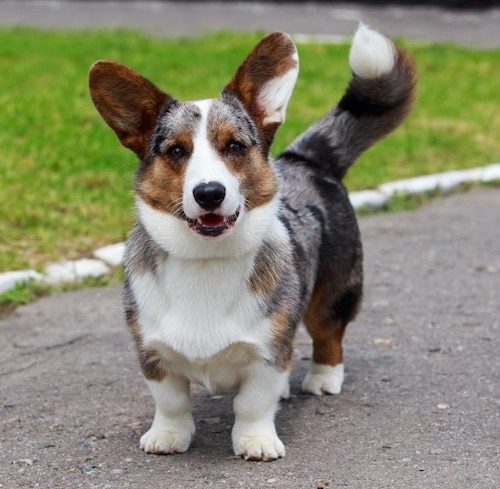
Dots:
(209, 195)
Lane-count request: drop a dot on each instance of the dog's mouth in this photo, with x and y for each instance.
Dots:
(212, 225)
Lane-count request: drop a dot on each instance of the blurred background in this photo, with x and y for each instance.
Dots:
(65, 181)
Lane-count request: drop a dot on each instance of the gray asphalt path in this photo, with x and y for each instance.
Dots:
(419, 408)
(475, 28)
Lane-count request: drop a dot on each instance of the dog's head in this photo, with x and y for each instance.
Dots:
(205, 185)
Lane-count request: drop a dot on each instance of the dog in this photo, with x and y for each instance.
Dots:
(231, 249)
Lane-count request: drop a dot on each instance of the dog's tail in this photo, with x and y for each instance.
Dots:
(378, 98)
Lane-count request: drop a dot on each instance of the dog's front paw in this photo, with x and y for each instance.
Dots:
(159, 441)
(324, 379)
(257, 447)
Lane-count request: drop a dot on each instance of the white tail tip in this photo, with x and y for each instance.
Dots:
(371, 54)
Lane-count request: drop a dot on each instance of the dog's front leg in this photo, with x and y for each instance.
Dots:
(173, 425)
(254, 434)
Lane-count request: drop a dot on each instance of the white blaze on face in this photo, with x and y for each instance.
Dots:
(205, 166)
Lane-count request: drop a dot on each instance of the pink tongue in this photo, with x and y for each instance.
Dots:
(212, 220)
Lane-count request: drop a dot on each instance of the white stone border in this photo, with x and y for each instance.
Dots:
(112, 255)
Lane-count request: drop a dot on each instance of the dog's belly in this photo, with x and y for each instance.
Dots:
(217, 373)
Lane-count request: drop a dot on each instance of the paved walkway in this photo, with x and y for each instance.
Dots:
(474, 28)
(419, 408)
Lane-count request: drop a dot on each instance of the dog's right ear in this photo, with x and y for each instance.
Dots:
(127, 102)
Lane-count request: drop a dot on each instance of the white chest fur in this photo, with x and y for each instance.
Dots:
(200, 314)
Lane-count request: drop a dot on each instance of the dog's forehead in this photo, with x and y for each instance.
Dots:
(211, 113)
(185, 115)
(229, 109)
(226, 109)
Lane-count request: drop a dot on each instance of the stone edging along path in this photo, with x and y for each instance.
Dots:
(112, 255)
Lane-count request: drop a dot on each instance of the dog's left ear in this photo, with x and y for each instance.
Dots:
(264, 82)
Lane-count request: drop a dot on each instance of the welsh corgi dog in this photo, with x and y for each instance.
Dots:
(232, 249)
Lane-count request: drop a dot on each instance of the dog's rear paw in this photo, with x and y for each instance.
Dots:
(158, 441)
(285, 393)
(324, 379)
(264, 448)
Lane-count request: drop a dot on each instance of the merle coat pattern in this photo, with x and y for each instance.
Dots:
(216, 285)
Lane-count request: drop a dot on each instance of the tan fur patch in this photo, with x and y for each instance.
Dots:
(258, 182)
(326, 330)
(150, 362)
(282, 336)
(152, 365)
(220, 133)
(326, 333)
(265, 281)
(183, 137)
(160, 185)
(266, 274)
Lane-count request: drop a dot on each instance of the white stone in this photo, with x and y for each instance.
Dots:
(472, 174)
(450, 180)
(372, 199)
(491, 173)
(9, 280)
(111, 254)
(445, 181)
(415, 185)
(70, 271)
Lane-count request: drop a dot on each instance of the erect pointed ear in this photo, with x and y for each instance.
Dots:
(264, 82)
(127, 102)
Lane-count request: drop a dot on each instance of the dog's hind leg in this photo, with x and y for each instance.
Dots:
(326, 320)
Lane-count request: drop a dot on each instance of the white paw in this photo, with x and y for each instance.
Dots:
(285, 393)
(264, 448)
(324, 379)
(159, 441)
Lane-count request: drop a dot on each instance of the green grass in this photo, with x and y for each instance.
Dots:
(65, 182)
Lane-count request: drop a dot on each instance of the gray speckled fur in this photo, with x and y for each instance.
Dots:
(142, 252)
(325, 236)
(141, 255)
(299, 195)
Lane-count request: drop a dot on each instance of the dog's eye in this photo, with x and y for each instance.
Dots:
(235, 148)
(176, 152)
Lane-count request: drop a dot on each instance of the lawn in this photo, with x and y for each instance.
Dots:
(65, 182)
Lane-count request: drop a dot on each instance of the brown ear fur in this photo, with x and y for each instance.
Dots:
(272, 58)
(128, 103)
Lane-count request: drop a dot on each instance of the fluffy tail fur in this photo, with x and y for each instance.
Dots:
(378, 98)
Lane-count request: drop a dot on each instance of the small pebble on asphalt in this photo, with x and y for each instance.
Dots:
(382, 341)
(443, 405)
